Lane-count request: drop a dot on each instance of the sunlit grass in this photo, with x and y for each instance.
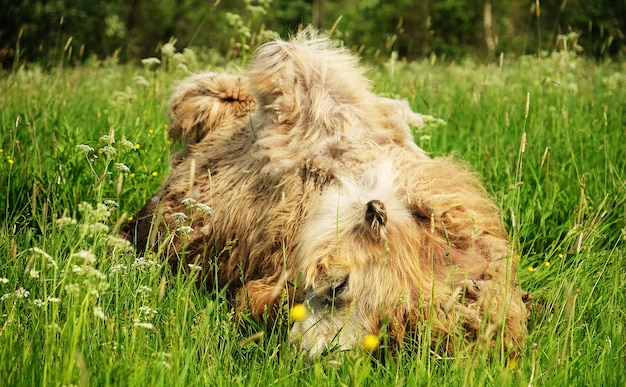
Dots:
(82, 149)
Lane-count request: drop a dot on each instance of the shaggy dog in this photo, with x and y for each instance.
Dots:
(297, 179)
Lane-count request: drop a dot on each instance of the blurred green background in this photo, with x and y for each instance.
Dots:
(44, 30)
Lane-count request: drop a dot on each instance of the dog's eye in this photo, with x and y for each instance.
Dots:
(337, 287)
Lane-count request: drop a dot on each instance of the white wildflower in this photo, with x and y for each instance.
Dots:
(85, 148)
(21, 293)
(94, 218)
(85, 208)
(432, 123)
(65, 221)
(106, 138)
(204, 208)
(168, 49)
(148, 311)
(194, 268)
(102, 212)
(4, 280)
(180, 58)
(112, 204)
(179, 217)
(98, 312)
(142, 263)
(188, 201)
(185, 230)
(96, 228)
(33, 273)
(118, 268)
(92, 272)
(137, 323)
(72, 289)
(108, 151)
(150, 62)
(85, 255)
(141, 81)
(127, 146)
(103, 286)
(39, 303)
(181, 66)
(77, 270)
(113, 344)
(163, 359)
(54, 327)
(121, 167)
(119, 243)
(143, 289)
(55, 300)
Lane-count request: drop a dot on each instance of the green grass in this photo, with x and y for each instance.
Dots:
(97, 314)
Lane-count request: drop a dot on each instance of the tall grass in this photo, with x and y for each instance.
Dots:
(84, 148)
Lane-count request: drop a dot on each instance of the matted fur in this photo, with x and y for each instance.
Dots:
(317, 189)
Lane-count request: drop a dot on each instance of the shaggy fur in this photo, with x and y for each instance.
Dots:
(297, 178)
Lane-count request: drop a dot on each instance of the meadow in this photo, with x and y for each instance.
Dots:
(82, 148)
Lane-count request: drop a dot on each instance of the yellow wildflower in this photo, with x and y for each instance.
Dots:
(298, 312)
(512, 364)
(370, 342)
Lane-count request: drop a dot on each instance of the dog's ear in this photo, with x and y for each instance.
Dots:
(375, 218)
(206, 102)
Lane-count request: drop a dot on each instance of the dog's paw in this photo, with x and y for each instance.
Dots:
(206, 102)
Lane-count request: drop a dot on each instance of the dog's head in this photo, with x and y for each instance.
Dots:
(399, 243)
(359, 262)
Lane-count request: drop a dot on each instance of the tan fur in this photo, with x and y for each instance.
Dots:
(207, 103)
(316, 188)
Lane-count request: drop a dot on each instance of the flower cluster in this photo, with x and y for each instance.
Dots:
(111, 149)
(83, 279)
(19, 294)
(94, 220)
